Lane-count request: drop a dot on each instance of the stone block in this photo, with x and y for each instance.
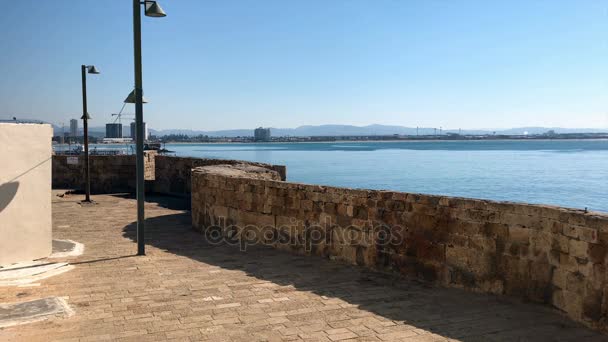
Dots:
(573, 304)
(460, 227)
(568, 262)
(516, 273)
(558, 300)
(597, 277)
(360, 212)
(576, 218)
(596, 222)
(578, 249)
(458, 256)
(575, 282)
(560, 278)
(588, 234)
(560, 243)
(519, 234)
(592, 304)
(306, 205)
(570, 231)
(495, 230)
(597, 253)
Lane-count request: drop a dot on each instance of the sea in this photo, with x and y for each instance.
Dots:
(568, 173)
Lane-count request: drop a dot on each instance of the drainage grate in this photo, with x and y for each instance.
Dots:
(32, 311)
(66, 248)
(63, 246)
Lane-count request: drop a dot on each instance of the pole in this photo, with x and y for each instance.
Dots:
(85, 119)
(139, 131)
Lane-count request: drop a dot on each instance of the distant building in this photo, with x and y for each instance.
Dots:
(73, 128)
(261, 134)
(134, 131)
(114, 130)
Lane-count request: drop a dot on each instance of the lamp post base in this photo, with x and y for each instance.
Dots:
(86, 203)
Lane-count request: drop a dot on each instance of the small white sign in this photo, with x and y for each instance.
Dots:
(73, 160)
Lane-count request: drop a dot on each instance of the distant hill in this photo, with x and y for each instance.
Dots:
(337, 130)
(342, 130)
(329, 130)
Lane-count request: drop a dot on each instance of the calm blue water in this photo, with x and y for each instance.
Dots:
(566, 173)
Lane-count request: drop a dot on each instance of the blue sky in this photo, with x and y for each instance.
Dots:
(241, 64)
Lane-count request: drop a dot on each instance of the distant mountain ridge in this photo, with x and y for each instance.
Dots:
(342, 130)
(351, 130)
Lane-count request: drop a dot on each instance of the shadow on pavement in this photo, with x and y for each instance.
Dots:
(451, 313)
(169, 202)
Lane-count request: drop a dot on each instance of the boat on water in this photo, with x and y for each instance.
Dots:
(156, 147)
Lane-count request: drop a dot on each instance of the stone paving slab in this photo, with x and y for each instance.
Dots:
(32, 311)
(187, 290)
(29, 272)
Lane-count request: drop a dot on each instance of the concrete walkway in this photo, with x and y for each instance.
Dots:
(187, 290)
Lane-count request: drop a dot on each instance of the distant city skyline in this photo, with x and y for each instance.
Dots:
(341, 130)
(233, 64)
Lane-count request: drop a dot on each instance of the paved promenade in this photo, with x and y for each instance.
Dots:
(187, 290)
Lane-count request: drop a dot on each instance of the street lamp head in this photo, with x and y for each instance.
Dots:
(154, 10)
(131, 98)
(92, 69)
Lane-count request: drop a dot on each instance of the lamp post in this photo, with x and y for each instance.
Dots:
(85, 119)
(152, 9)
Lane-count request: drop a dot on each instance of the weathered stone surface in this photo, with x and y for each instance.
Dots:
(172, 174)
(163, 174)
(109, 174)
(540, 253)
(239, 170)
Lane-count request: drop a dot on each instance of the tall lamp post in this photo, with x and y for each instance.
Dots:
(152, 9)
(85, 124)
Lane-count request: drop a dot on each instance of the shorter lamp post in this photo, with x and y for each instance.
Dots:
(91, 69)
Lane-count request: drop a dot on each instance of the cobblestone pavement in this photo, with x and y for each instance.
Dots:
(187, 290)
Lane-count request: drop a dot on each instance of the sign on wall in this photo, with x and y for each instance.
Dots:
(72, 160)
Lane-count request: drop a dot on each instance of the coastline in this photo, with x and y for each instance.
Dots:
(354, 141)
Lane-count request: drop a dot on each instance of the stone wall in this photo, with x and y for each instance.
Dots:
(544, 254)
(150, 165)
(108, 173)
(173, 173)
(164, 174)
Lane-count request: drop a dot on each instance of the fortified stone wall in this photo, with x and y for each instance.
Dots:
(544, 254)
(173, 173)
(163, 174)
(108, 173)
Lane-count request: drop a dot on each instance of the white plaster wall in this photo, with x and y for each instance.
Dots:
(25, 192)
